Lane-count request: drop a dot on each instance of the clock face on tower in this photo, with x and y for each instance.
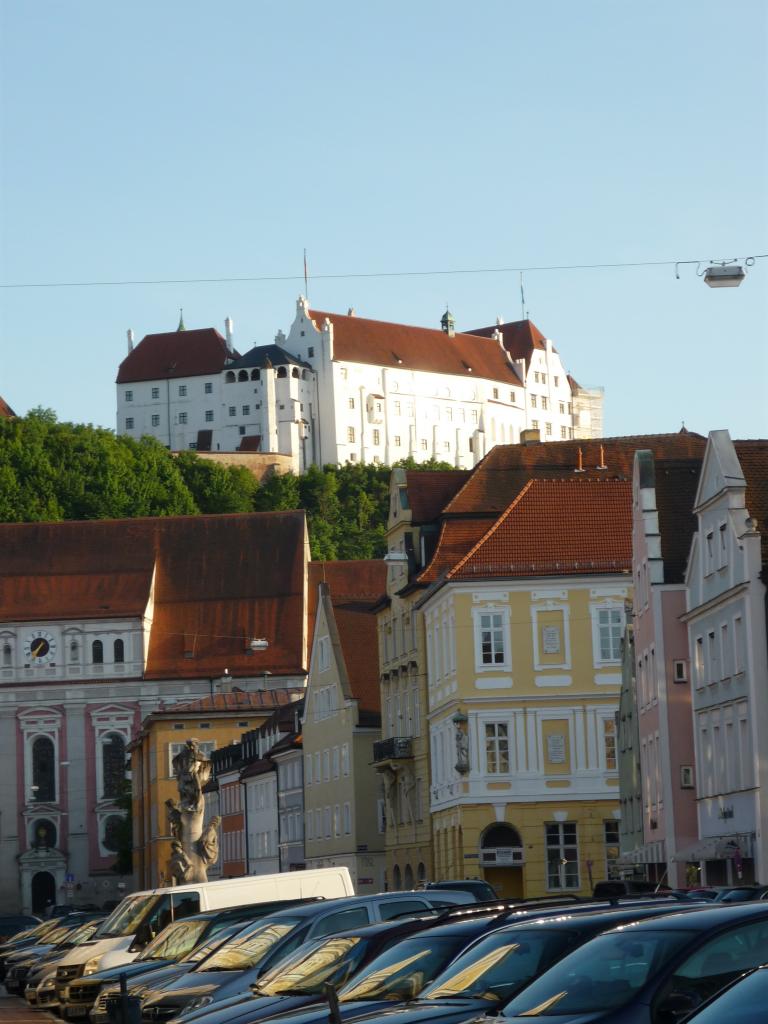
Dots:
(39, 648)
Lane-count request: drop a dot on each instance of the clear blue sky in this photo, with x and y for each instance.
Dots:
(170, 139)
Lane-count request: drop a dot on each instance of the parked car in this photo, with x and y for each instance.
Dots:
(174, 945)
(25, 939)
(652, 972)
(742, 894)
(12, 924)
(25, 961)
(495, 968)
(627, 887)
(481, 890)
(744, 1001)
(399, 973)
(258, 948)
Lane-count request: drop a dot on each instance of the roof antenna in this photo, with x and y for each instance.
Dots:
(181, 326)
(523, 310)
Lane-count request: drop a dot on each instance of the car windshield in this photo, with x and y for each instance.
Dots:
(603, 974)
(330, 960)
(83, 933)
(497, 966)
(247, 950)
(744, 1003)
(213, 942)
(402, 971)
(175, 941)
(126, 918)
(58, 934)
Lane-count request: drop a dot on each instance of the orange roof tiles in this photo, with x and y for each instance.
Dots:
(429, 491)
(215, 581)
(376, 342)
(504, 471)
(175, 354)
(557, 528)
(234, 701)
(6, 412)
(520, 338)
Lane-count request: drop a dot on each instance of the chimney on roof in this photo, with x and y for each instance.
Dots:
(580, 465)
(229, 329)
(448, 323)
(530, 436)
(129, 334)
(602, 459)
(351, 311)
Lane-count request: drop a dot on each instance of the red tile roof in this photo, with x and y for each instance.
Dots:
(356, 587)
(175, 354)
(506, 469)
(218, 581)
(429, 491)
(6, 412)
(233, 702)
(376, 342)
(753, 459)
(520, 337)
(557, 528)
(457, 537)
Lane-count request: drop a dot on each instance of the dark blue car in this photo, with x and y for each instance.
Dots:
(648, 972)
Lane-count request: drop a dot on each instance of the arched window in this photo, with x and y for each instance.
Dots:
(295, 371)
(43, 769)
(255, 374)
(242, 375)
(397, 882)
(282, 371)
(421, 872)
(113, 765)
(229, 377)
(7, 654)
(119, 651)
(112, 827)
(408, 877)
(74, 650)
(97, 652)
(44, 835)
(500, 836)
(304, 375)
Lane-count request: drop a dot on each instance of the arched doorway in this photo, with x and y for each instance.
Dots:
(502, 857)
(43, 892)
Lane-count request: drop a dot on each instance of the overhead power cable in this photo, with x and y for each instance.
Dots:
(356, 276)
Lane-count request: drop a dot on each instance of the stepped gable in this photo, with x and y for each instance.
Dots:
(6, 412)
(176, 354)
(561, 527)
(379, 343)
(520, 338)
(355, 588)
(753, 459)
(505, 470)
(208, 583)
(429, 491)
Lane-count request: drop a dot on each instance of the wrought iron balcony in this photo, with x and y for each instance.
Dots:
(396, 748)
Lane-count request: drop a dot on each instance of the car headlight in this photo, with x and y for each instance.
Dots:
(195, 1004)
(92, 965)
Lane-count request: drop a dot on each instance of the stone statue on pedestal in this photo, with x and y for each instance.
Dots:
(192, 848)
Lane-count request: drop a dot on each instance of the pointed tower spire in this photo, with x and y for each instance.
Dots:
(448, 323)
(181, 326)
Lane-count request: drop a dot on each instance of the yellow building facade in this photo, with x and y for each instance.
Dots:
(523, 681)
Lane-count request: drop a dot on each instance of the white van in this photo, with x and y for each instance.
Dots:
(142, 915)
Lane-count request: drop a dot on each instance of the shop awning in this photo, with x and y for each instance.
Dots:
(716, 848)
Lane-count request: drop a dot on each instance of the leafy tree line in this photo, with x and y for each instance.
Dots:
(55, 471)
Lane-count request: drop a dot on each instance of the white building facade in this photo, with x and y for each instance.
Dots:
(347, 389)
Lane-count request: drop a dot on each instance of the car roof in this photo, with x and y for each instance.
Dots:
(343, 902)
(706, 917)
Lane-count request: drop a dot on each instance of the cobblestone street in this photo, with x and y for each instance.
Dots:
(16, 1011)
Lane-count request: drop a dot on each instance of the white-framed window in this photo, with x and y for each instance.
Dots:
(345, 759)
(155, 392)
(686, 776)
(376, 437)
(182, 390)
(534, 399)
(612, 849)
(336, 820)
(423, 444)
(347, 819)
(491, 645)
(319, 834)
(609, 743)
(336, 762)
(350, 435)
(496, 748)
(326, 765)
(351, 402)
(155, 420)
(308, 769)
(182, 417)
(129, 396)
(327, 822)
(246, 410)
(561, 840)
(129, 423)
(309, 831)
(208, 388)
(232, 410)
(534, 424)
(209, 415)
(608, 630)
